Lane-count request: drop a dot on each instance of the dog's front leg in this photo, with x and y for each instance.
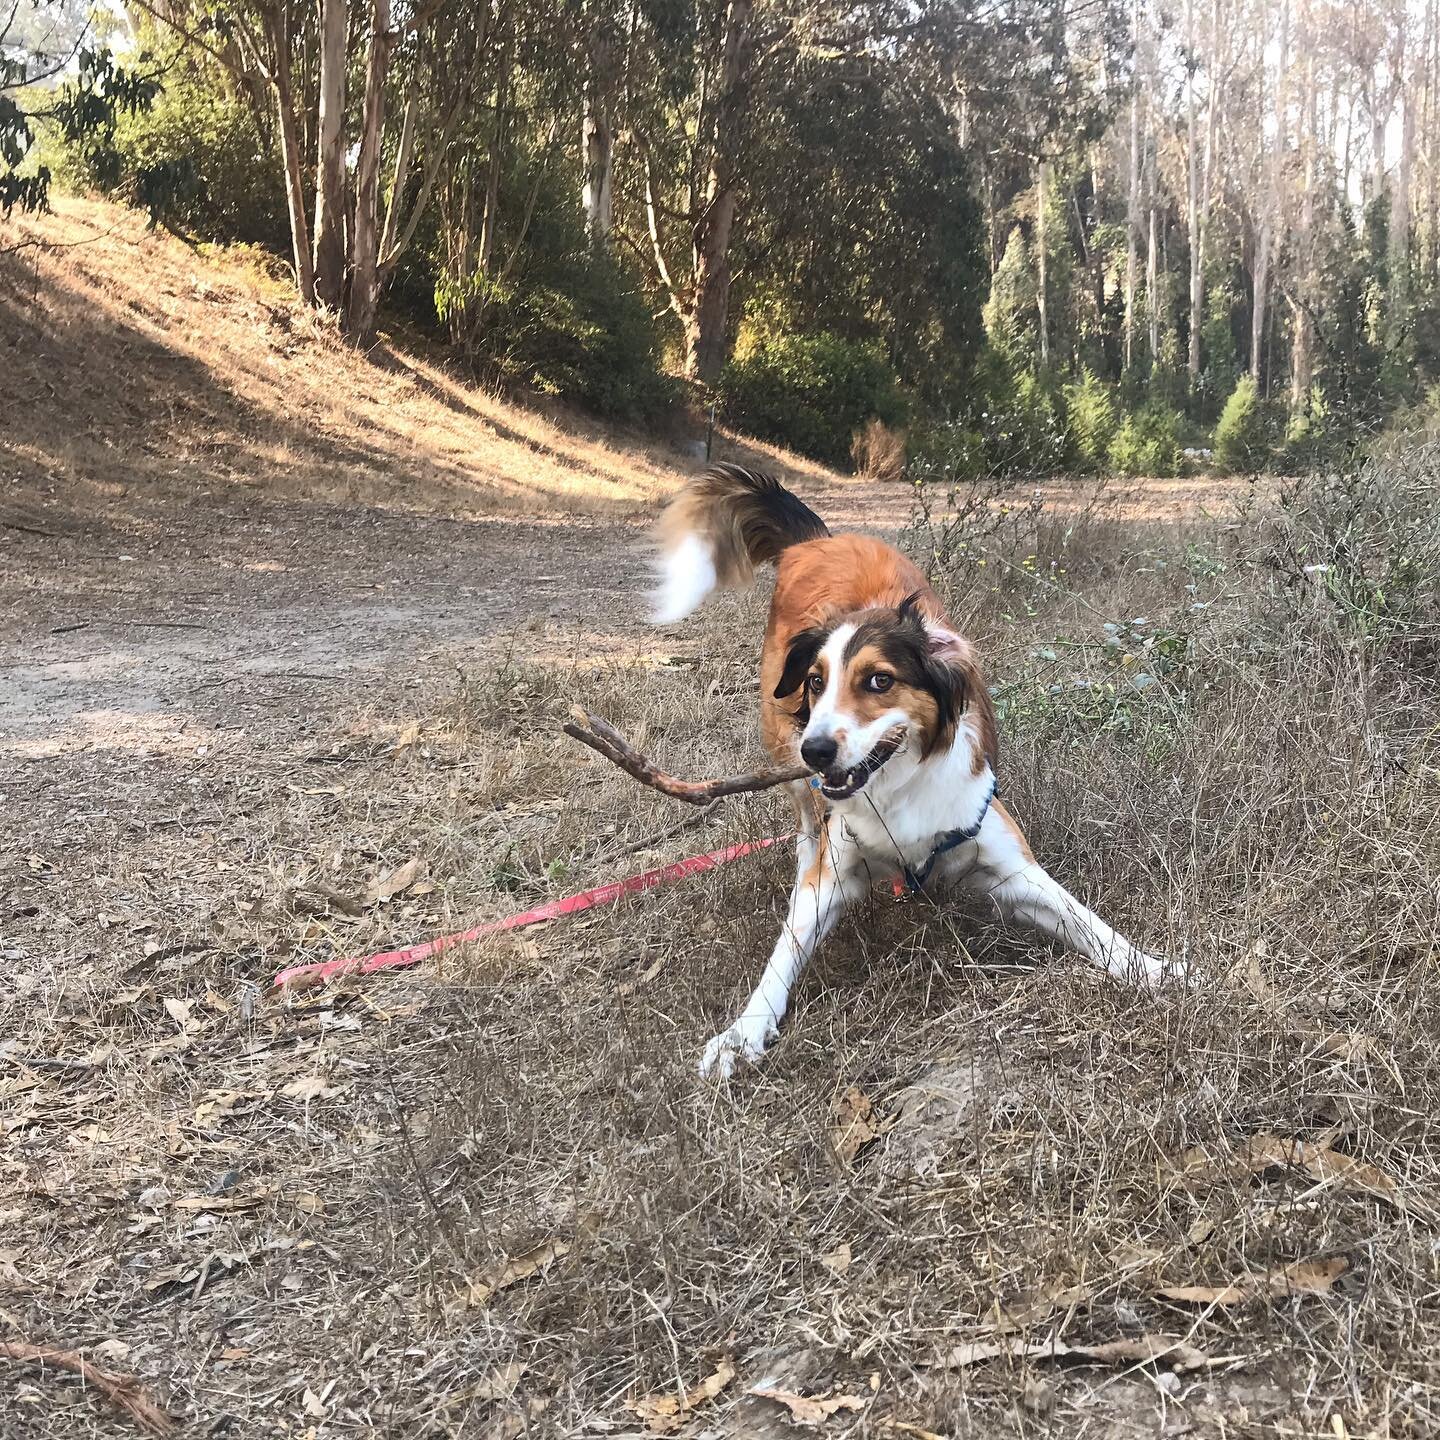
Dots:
(826, 880)
(1025, 891)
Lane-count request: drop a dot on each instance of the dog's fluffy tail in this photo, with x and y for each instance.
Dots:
(718, 529)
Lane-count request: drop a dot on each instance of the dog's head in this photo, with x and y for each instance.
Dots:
(868, 683)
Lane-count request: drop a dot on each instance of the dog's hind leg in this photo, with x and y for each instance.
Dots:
(1023, 890)
(823, 889)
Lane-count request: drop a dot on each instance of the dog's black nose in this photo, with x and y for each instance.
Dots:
(819, 752)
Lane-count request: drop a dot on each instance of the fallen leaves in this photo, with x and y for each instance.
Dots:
(409, 736)
(664, 1412)
(1303, 1277)
(854, 1124)
(1037, 1307)
(179, 1011)
(810, 1410)
(1271, 1152)
(1163, 1350)
(393, 882)
(499, 1384)
(308, 1087)
(837, 1261)
(629, 987)
(479, 1288)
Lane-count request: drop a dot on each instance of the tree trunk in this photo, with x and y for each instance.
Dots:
(365, 242)
(490, 220)
(290, 156)
(1270, 202)
(1400, 211)
(1212, 126)
(330, 160)
(1132, 208)
(1152, 254)
(1040, 261)
(708, 316)
(597, 139)
(1192, 194)
(708, 311)
(1306, 282)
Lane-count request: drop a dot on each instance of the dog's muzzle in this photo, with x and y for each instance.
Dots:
(837, 784)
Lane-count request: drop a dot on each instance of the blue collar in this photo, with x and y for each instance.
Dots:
(915, 879)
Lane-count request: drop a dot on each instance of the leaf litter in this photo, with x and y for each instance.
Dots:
(664, 1411)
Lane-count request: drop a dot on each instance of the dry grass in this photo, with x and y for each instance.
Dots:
(287, 1216)
(233, 384)
(878, 451)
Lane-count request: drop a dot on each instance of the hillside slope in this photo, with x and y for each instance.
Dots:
(131, 360)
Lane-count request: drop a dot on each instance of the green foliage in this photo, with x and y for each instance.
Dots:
(1022, 428)
(1315, 435)
(85, 114)
(1091, 420)
(1011, 319)
(549, 314)
(580, 331)
(862, 220)
(809, 392)
(1241, 436)
(1148, 442)
(196, 159)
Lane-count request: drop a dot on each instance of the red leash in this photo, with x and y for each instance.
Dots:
(303, 976)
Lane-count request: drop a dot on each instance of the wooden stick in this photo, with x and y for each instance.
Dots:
(122, 1391)
(606, 740)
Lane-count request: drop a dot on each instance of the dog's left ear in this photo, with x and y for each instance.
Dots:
(946, 659)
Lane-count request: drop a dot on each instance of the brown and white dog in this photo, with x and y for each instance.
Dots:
(866, 679)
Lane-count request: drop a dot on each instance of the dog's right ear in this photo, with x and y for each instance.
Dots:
(798, 659)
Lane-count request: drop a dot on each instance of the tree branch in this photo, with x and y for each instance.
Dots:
(606, 740)
(122, 1391)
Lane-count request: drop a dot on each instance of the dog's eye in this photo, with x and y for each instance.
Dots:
(879, 682)
(815, 683)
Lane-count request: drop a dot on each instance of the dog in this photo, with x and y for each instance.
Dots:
(864, 679)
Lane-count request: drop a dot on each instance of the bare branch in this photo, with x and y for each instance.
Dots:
(122, 1391)
(606, 740)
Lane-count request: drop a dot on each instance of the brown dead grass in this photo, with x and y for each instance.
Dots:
(125, 332)
(492, 1198)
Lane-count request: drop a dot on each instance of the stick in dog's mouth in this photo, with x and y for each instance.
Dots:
(842, 784)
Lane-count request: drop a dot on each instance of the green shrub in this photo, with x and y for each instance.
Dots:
(1240, 436)
(809, 392)
(1091, 420)
(1312, 436)
(1022, 428)
(196, 158)
(580, 331)
(1358, 546)
(1148, 442)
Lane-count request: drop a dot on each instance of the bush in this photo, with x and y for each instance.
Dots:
(1147, 442)
(580, 331)
(1091, 420)
(877, 451)
(197, 159)
(1024, 429)
(809, 392)
(1358, 548)
(1240, 436)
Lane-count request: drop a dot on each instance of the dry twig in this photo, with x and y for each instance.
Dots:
(606, 740)
(122, 1391)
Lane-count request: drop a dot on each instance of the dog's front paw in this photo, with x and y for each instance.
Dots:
(745, 1040)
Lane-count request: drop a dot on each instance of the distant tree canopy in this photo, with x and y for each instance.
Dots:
(1022, 228)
